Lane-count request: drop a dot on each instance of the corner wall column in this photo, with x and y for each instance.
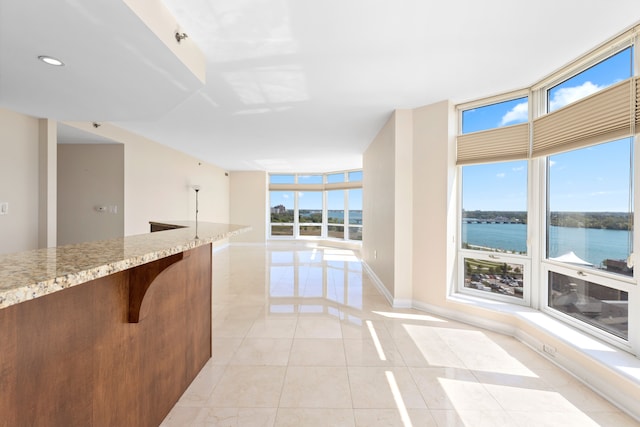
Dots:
(48, 182)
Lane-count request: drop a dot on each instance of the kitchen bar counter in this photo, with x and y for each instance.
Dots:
(106, 333)
(32, 274)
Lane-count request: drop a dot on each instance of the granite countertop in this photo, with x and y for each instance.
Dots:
(32, 274)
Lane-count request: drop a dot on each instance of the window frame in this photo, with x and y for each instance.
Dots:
(524, 259)
(540, 267)
(325, 188)
(566, 270)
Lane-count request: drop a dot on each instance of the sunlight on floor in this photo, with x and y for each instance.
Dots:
(376, 341)
(473, 348)
(408, 316)
(402, 409)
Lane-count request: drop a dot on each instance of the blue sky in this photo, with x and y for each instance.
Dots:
(588, 180)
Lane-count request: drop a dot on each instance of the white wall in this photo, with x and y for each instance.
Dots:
(249, 205)
(90, 175)
(158, 182)
(19, 140)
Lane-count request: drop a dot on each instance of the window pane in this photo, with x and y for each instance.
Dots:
(355, 206)
(612, 70)
(310, 230)
(310, 207)
(336, 231)
(309, 179)
(603, 307)
(335, 206)
(335, 177)
(492, 276)
(281, 179)
(282, 230)
(494, 207)
(355, 176)
(589, 213)
(496, 115)
(355, 233)
(281, 206)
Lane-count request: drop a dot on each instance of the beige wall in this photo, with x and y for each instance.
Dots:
(249, 205)
(19, 140)
(410, 205)
(90, 175)
(378, 240)
(403, 201)
(434, 203)
(158, 182)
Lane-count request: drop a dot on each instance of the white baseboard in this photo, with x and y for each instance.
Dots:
(378, 283)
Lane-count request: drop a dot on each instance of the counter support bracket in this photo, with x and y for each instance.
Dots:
(141, 278)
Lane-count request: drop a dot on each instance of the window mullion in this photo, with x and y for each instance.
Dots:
(296, 213)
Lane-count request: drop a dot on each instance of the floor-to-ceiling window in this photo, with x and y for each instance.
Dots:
(316, 205)
(547, 192)
(494, 218)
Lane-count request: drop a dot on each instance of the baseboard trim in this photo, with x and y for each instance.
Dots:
(378, 283)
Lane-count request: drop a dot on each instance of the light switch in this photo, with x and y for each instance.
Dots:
(4, 208)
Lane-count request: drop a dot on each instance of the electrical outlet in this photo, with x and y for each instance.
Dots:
(375, 254)
(4, 208)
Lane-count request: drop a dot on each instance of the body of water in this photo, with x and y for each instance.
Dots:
(355, 217)
(591, 244)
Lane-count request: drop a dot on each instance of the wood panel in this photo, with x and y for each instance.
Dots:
(71, 358)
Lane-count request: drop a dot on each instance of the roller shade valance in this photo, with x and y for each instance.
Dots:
(501, 144)
(604, 116)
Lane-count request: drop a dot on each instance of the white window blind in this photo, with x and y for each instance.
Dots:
(501, 144)
(604, 116)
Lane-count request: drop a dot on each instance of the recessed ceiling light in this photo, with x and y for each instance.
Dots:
(50, 60)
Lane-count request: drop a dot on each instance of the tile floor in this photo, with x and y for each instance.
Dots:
(301, 337)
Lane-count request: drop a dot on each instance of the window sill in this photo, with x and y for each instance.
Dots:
(599, 350)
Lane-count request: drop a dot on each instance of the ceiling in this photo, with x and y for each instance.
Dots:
(291, 85)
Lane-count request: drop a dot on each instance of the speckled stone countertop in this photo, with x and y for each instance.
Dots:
(32, 274)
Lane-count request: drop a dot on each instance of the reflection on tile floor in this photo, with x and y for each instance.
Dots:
(301, 337)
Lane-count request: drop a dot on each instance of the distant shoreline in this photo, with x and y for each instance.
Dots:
(598, 220)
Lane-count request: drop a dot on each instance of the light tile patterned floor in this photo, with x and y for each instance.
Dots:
(301, 337)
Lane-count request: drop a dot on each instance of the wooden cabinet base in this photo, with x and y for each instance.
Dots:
(72, 358)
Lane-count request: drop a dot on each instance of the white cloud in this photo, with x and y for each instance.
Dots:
(501, 175)
(285, 196)
(518, 114)
(567, 95)
(552, 163)
(518, 169)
